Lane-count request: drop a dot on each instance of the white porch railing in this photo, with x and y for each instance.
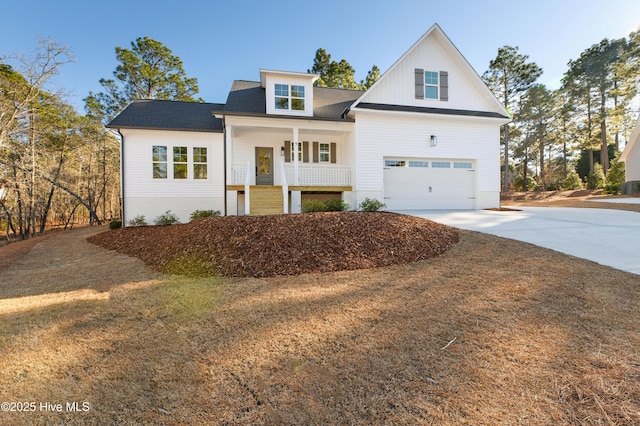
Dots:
(318, 175)
(308, 174)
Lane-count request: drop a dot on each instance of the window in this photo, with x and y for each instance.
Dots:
(293, 100)
(418, 164)
(441, 164)
(430, 85)
(325, 152)
(282, 96)
(199, 163)
(179, 162)
(462, 165)
(159, 162)
(297, 98)
(395, 163)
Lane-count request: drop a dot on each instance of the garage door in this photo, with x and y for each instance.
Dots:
(418, 184)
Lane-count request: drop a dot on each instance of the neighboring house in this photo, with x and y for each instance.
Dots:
(426, 135)
(631, 158)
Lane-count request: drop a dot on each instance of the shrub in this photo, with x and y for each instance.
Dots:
(572, 181)
(138, 221)
(369, 205)
(309, 206)
(595, 178)
(336, 205)
(166, 218)
(199, 214)
(115, 224)
(615, 177)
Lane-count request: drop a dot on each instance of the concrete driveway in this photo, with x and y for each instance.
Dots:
(608, 237)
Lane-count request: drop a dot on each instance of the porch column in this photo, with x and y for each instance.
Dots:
(296, 196)
(296, 149)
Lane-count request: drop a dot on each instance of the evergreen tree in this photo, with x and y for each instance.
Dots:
(149, 70)
(509, 76)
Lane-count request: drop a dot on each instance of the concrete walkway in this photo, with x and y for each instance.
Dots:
(608, 237)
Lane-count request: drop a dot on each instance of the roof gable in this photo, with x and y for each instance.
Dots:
(169, 115)
(633, 141)
(434, 52)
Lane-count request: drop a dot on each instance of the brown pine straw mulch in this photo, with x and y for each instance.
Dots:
(266, 246)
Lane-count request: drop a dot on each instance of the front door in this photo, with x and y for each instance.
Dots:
(264, 166)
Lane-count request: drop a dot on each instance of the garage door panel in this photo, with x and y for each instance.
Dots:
(415, 188)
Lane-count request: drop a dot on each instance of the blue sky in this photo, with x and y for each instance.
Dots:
(219, 41)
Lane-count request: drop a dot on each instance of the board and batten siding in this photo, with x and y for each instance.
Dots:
(383, 135)
(151, 197)
(465, 88)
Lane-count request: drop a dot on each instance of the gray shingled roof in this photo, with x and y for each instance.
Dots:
(427, 110)
(248, 97)
(169, 115)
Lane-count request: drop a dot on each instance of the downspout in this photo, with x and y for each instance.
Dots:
(122, 177)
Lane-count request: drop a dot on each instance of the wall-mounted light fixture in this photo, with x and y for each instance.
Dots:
(282, 151)
(434, 140)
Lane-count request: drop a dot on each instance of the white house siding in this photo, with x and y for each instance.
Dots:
(632, 164)
(433, 53)
(144, 195)
(381, 135)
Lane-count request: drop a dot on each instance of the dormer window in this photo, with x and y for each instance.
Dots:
(289, 100)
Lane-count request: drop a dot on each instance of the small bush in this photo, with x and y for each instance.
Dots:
(572, 182)
(115, 224)
(369, 205)
(166, 218)
(615, 177)
(595, 178)
(310, 206)
(138, 221)
(336, 205)
(199, 214)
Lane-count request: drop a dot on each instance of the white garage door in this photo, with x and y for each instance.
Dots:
(418, 184)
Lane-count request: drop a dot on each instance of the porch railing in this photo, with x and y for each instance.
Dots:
(316, 175)
(308, 175)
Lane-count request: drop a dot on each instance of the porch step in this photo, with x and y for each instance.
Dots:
(266, 200)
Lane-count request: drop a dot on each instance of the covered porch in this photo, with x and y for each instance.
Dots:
(272, 156)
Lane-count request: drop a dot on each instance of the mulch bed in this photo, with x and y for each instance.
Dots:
(265, 246)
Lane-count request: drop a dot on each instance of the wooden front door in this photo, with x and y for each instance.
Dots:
(264, 166)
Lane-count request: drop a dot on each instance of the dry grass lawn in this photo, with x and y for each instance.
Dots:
(491, 332)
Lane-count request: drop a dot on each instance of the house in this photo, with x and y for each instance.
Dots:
(631, 157)
(426, 135)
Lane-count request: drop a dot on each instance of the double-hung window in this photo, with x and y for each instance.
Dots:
(325, 152)
(286, 99)
(159, 159)
(180, 162)
(430, 85)
(199, 163)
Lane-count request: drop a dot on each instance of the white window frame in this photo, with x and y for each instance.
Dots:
(291, 95)
(429, 84)
(324, 152)
(181, 163)
(158, 159)
(200, 160)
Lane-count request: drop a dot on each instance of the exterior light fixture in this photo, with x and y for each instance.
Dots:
(282, 151)
(434, 140)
